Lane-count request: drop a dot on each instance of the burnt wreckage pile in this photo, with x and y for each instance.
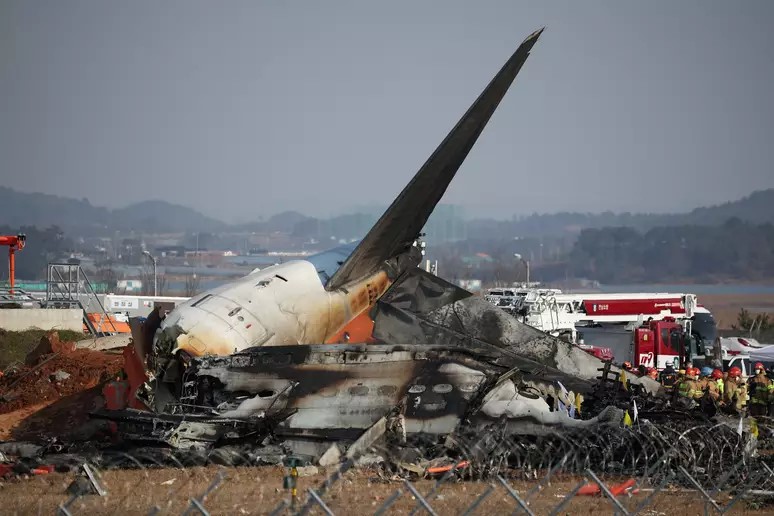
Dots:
(495, 403)
(480, 445)
(488, 366)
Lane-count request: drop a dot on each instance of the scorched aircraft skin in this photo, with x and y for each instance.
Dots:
(275, 353)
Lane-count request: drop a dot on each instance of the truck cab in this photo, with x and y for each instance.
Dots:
(666, 341)
(658, 343)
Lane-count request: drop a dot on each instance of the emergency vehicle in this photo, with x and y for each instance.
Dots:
(612, 318)
(555, 312)
(658, 343)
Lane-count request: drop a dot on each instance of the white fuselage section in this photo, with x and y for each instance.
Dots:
(280, 305)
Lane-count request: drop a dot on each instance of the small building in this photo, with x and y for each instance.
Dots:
(129, 285)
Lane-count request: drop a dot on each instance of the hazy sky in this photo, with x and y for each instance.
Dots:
(246, 108)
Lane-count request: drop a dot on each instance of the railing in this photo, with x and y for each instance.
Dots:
(68, 286)
(19, 296)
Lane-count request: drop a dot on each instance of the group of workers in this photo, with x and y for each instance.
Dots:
(726, 389)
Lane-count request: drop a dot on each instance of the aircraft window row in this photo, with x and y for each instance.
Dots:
(389, 390)
(441, 388)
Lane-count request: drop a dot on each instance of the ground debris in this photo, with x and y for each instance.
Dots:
(60, 376)
(50, 344)
(89, 483)
(307, 471)
(53, 395)
(82, 369)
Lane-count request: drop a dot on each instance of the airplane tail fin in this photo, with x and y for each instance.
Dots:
(401, 224)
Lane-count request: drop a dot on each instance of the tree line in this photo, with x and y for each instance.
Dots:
(735, 250)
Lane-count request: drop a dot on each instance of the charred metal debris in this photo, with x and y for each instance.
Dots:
(412, 411)
(410, 407)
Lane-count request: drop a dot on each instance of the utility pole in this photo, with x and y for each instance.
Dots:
(525, 262)
(155, 282)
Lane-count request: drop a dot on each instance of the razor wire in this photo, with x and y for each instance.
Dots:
(626, 468)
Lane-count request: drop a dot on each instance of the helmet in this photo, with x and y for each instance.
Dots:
(734, 372)
(706, 371)
(627, 365)
(694, 371)
(758, 365)
(682, 371)
(717, 374)
(652, 372)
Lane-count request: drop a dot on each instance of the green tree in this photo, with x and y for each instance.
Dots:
(745, 321)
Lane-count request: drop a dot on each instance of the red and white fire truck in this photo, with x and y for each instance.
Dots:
(669, 341)
(639, 327)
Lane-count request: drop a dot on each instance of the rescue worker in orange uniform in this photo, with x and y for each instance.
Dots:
(760, 387)
(689, 386)
(708, 385)
(717, 375)
(678, 380)
(734, 391)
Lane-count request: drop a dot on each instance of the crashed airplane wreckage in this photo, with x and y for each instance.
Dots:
(319, 350)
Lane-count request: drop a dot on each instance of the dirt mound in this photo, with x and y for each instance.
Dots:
(56, 370)
(15, 345)
(50, 344)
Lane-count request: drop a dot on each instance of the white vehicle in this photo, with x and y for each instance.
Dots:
(739, 352)
(738, 345)
(513, 296)
(735, 351)
(496, 295)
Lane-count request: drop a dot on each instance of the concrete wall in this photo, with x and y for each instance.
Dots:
(20, 319)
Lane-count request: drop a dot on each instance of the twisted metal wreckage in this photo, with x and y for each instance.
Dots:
(358, 341)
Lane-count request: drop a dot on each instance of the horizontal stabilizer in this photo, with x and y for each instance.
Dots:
(401, 224)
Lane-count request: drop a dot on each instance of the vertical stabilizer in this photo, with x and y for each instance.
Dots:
(401, 224)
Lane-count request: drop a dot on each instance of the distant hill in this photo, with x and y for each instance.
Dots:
(756, 208)
(162, 216)
(42, 210)
(78, 216)
(37, 209)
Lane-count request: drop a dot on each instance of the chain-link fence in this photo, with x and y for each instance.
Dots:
(646, 469)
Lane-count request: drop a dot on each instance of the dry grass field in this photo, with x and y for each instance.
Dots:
(258, 490)
(725, 307)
